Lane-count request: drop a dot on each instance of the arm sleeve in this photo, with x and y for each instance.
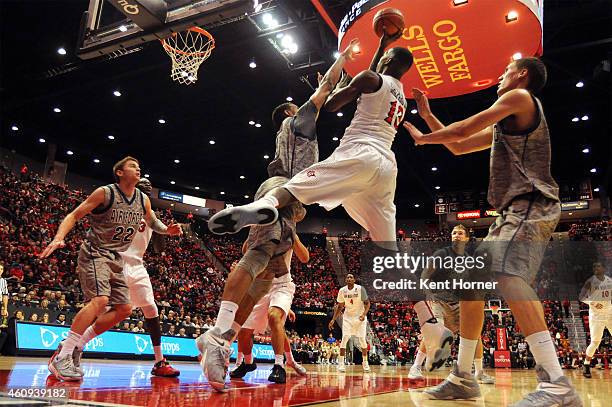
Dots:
(340, 297)
(364, 294)
(304, 123)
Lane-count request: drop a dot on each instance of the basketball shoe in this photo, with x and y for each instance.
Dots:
(457, 386)
(163, 369)
(231, 220)
(438, 340)
(558, 393)
(215, 349)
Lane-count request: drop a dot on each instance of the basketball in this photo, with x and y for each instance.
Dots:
(391, 19)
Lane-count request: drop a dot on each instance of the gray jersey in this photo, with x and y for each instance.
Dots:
(296, 143)
(520, 163)
(115, 223)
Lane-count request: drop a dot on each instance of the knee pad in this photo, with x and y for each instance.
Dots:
(150, 311)
(256, 260)
(259, 288)
(592, 348)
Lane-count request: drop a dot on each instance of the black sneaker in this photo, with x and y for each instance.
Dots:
(586, 371)
(242, 370)
(278, 374)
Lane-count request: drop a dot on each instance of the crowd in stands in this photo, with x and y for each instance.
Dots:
(188, 276)
(591, 231)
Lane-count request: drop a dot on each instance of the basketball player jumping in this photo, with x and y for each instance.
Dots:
(445, 309)
(116, 212)
(353, 299)
(359, 175)
(523, 191)
(296, 149)
(597, 293)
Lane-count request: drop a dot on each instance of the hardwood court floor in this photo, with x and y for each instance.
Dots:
(112, 382)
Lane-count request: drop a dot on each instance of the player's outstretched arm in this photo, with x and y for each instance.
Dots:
(173, 229)
(364, 82)
(300, 250)
(583, 296)
(476, 142)
(328, 82)
(92, 202)
(513, 102)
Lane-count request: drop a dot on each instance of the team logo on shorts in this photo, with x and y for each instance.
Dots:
(310, 173)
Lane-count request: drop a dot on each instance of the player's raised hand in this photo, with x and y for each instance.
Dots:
(387, 39)
(419, 138)
(175, 229)
(351, 49)
(291, 316)
(53, 246)
(422, 102)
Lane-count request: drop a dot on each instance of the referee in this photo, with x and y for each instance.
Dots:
(4, 294)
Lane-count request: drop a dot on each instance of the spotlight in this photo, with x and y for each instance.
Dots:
(61, 51)
(242, 177)
(335, 138)
(96, 161)
(162, 121)
(14, 128)
(57, 110)
(70, 152)
(575, 119)
(251, 122)
(580, 84)
(289, 99)
(177, 161)
(586, 150)
(516, 56)
(252, 65)
(211, 142)
(339, 114)
(117, 93)
(584, 118)
(266, 156)
(512, 16)
(172, 182)
(41, 140)
(414, 111)
(110, 137)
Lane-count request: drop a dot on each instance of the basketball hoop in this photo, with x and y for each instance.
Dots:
(188, 49)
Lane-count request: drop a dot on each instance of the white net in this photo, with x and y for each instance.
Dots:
(188, 49)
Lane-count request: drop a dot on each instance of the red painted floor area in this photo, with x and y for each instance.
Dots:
(130, 383)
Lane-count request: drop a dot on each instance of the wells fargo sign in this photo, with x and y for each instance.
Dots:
(459, 46)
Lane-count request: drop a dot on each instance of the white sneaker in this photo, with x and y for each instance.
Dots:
(231, 220)
(342, 368)
(415, 373)
(366, 367)
(299, 369)
(438, 340)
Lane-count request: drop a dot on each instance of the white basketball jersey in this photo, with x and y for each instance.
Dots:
(352, 299)
(287, 277)
(134, 254)
(378, 115)
(600, 293)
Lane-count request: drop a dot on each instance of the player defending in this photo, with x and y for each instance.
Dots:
(116, 211)
(597, 293)
(523, 191)
(353, 299)
(272, 311)
(445, 309)
(296, 148)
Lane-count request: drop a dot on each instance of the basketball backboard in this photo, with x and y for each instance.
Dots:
(114, 27)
